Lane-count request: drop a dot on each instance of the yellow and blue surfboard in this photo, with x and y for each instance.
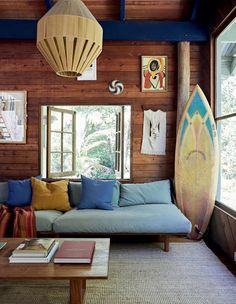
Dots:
(196, 163)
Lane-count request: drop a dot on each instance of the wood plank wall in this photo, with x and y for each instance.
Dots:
(23, 68)
(223, 231)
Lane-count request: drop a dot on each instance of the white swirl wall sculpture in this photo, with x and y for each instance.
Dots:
(116, 87)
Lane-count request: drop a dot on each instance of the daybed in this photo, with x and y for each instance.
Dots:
(138, 209)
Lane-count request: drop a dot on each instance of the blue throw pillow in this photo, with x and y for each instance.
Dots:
(96, 194)
(19, 193)
(75, 190)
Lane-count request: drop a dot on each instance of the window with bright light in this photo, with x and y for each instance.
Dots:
(226, 114)
(85, 140)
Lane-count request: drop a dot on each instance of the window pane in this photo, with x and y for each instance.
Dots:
(67, 122)
(56, 121)
(55, 162)
(55, 142)
(67, 142)
(96, 141)
(67, 162)
(227, 179)
(228, 95)
(127, 119)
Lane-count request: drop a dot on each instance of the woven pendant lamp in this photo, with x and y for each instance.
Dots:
(69, 37)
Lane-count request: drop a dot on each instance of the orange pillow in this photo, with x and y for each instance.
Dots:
(50, 196)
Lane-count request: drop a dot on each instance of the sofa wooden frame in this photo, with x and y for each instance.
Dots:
(161, 237)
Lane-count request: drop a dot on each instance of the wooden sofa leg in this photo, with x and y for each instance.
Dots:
(166, 243)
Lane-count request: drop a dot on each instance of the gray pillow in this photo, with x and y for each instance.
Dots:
(116, 194)
(74, 189)
(146, 193)
(3, 192)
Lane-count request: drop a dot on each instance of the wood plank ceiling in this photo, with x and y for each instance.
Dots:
(173, 20)
(105, 9)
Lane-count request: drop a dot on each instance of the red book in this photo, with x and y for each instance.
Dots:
(75, 252)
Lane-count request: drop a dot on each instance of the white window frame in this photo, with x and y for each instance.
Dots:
(119, 156)
(218, 116)
(62, 148)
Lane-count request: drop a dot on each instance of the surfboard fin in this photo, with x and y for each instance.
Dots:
(200, 234)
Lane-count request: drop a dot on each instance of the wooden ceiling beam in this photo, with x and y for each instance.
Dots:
(122, 10)
(49, 4)
(195, 10)
(169, 31)
(18, 29)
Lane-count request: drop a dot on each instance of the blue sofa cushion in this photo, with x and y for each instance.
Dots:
(96, 194)
(19, 192)
(149, 218)
(158, 192)
(45, 219)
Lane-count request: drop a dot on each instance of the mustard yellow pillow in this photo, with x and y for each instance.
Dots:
(50, 196)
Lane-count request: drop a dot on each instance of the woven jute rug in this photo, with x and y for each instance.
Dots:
(141, 274)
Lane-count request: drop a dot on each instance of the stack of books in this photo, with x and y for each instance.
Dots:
(34, 251)
(75, 252)
(2, 244)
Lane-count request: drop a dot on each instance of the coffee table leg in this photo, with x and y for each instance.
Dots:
(83, 290)
(77, 291)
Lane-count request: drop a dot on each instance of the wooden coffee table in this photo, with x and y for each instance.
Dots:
(77, 274)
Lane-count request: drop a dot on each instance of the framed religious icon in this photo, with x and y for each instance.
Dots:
(13, 117)
(154, 74)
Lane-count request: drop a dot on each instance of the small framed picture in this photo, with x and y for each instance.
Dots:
(13, 117)
(154, 73)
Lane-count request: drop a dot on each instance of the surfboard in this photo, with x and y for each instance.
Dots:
(196, 163)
